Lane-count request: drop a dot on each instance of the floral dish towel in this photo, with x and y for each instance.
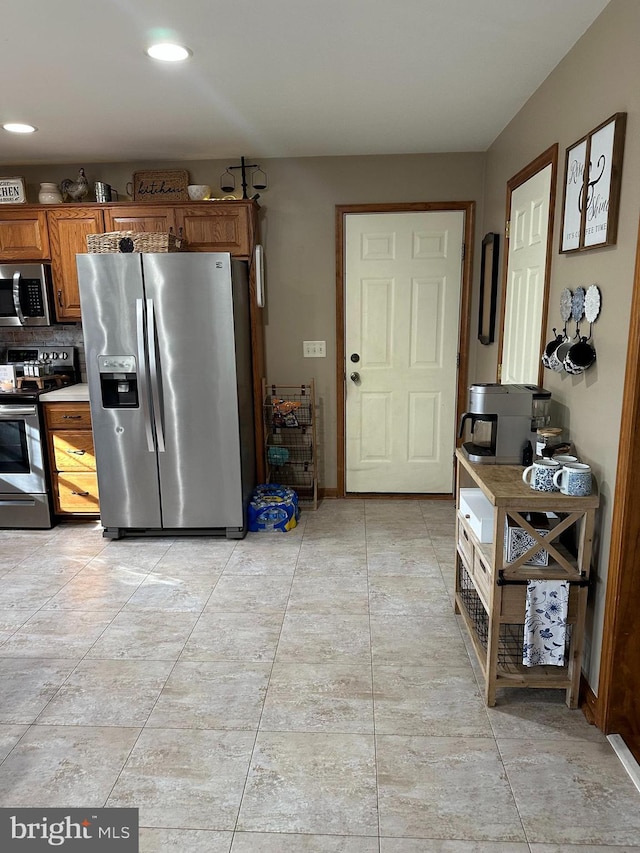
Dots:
(545, 623)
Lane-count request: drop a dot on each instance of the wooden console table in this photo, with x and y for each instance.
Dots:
(491, 592)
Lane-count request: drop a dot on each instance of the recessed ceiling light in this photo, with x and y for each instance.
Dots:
(168, 52)
(16, 127)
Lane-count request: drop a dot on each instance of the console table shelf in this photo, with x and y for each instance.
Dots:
(491, 591)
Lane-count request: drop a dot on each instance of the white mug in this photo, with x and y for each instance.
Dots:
(540, 475)
(563, 458)
(574, 478)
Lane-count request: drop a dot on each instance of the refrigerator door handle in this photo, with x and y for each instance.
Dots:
(142, 366)
(153, 370)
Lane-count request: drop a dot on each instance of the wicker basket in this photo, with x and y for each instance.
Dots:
(134, 241)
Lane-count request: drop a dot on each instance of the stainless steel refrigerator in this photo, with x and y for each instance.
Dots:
(168, 351)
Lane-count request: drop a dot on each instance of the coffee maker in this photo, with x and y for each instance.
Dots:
(502, 419)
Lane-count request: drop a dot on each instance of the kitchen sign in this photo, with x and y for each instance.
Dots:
(593, 173)
(160, 185)
(12, 191)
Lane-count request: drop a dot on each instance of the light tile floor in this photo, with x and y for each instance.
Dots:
(307, 692)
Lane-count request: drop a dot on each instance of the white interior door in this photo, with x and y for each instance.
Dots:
(526, 264)
(403, 280)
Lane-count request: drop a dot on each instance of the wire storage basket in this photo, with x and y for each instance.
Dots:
(473, 605)
(134, 241)
(290, 438)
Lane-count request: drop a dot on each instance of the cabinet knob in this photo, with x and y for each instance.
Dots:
(467, 516)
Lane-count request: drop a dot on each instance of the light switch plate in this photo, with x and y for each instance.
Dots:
(314, 349)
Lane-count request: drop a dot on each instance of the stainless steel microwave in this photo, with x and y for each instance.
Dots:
(26, 293)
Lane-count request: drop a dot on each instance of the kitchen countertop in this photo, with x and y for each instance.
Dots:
(69, 394)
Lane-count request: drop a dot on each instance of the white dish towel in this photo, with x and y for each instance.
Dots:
(545, 623)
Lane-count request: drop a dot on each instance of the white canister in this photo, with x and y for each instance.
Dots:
(49, 193)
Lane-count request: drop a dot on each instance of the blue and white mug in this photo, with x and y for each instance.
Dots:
(574, 478)
(540, 475)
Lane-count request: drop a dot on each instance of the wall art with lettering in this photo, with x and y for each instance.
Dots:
(12, 191)
(160, 185)
(593, 174)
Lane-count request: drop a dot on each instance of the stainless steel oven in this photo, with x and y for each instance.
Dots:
(24, 501)
(24, 482)
(26, 295)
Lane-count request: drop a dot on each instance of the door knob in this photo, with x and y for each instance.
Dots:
(355, 377)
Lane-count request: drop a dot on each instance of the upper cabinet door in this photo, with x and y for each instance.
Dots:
(139, 217)
(23, 235)
(218, 227)
(68, 229)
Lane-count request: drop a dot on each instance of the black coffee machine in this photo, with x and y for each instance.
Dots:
(502, 418)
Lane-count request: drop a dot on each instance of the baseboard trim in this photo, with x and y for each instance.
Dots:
(588, 701)
(327, 493)
(626, 758)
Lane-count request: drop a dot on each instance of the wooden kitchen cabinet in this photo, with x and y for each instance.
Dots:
(213, 226)
(72, 459)
(68, 229)
(490, 591)
(140, 217)
(206, 226)
(24, 235)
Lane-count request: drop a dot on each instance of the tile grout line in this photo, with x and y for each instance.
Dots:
(273, 663)
(373, 701)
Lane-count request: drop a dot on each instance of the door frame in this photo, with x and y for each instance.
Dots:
(547, 158)
(617, 705)
(468, 208)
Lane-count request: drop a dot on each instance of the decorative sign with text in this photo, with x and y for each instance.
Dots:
(12, 191)
(167, 185)
(593, 174)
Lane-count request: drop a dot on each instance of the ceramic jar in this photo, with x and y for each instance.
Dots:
(49, 193)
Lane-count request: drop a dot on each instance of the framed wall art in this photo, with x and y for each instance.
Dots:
(12, 191)
(488, 288)
(593, 174)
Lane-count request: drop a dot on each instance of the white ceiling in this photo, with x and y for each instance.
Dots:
(273, 78)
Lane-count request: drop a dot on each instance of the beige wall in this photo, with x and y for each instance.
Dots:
(596, 79)
(298, 231)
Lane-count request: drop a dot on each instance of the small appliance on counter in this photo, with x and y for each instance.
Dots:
(502, 419)
(24, 490)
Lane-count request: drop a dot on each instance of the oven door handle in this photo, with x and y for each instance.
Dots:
(142, 364)
(10, 412)
(16, 298)
(17, 503)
